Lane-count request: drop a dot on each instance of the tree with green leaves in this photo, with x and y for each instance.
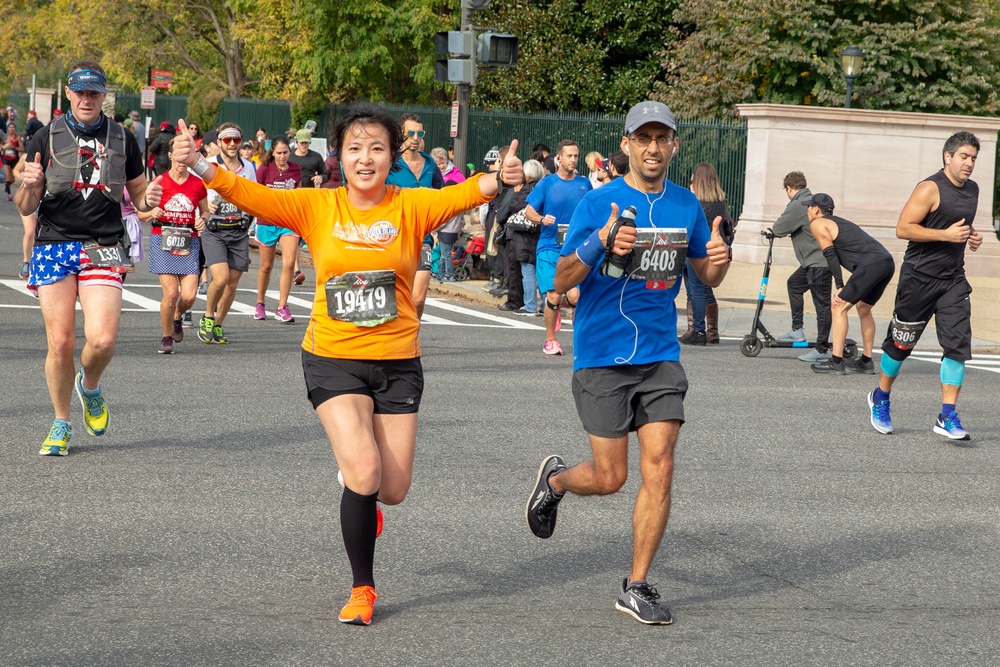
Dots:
(576, 55)
(935, 56)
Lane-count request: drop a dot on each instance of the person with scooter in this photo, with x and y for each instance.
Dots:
(813, 274)
(844, 244)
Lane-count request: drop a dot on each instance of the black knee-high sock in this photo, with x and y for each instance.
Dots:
(6, 187)
(358, 524)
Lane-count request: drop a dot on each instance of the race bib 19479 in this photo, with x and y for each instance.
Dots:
(364, 298)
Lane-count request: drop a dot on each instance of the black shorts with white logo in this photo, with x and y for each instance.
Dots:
(394, 385)
(614, 400)
(919, 296)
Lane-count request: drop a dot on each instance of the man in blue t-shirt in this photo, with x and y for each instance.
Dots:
(627, 375)
(416, 169)
(552, 204)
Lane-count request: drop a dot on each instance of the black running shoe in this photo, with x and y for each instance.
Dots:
(543, 501)
(858, 366)
(829, 367)
(640, 601)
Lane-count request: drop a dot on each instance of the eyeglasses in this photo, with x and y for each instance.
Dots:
(643, 140)
(229, 141)
(415, 133)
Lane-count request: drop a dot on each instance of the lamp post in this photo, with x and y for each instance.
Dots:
(850, 61)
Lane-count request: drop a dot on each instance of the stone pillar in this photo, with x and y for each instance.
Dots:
(868, 161)
(42, 104)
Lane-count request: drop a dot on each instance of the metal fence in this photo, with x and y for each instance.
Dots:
(719, 141)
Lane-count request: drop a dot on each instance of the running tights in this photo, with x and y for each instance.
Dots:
(358, 523)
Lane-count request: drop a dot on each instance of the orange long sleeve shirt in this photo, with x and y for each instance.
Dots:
(344, 239)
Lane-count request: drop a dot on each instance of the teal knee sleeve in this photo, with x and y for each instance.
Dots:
(952, 372)
(890, 366)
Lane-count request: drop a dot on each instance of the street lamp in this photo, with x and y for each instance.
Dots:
(850, 61)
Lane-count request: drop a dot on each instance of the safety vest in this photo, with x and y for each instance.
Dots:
(67, 157)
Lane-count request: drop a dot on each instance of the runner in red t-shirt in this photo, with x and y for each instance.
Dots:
(174, 248)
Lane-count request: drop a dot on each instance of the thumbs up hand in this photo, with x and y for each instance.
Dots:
(511, 171)
(33, 174)
(717, 249)
(154, 192)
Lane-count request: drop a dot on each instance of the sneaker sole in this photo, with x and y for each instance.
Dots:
(527, 505)
(871, 404)
(357, 620)
(170, 351)
(83, 404)
(52, 451)
(631, 612)
(941, 431)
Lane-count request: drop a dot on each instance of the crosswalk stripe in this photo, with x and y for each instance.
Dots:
(514, 324)
(17, 286)
(135, 298)
(237, 307)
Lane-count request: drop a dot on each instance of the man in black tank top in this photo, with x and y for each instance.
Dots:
(937, 222)
(846, 245)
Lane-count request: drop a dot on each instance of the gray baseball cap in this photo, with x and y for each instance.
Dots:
(649, 112)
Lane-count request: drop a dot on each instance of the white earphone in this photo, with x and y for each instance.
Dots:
(947, 160)
(626, 151)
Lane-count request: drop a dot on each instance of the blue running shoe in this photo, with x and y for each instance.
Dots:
(951, 428)
(57, 442)
(881, 420)
(95, 411)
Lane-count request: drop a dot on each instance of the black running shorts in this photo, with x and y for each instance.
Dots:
(614, 400)
(919, 297)
(868, 282)
(395, 385)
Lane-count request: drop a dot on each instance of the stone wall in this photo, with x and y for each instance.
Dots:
(868, 161)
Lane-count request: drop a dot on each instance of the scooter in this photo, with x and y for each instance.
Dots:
(752, 343)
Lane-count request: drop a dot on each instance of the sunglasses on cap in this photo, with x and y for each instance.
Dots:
(229, 141)
(415, 133)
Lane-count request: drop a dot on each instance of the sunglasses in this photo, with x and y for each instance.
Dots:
(415, 133)
(229, 141)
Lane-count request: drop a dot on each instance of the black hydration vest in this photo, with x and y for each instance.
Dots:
(67, 157)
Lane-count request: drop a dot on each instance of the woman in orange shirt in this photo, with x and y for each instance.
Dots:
(361, 353)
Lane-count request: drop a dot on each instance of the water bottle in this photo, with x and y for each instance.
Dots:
(614, 265)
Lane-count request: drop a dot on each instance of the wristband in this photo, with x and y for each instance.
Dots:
(592, 250)
(201, 166)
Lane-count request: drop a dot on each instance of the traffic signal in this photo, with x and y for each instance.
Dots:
(458, 64)
(497, 50)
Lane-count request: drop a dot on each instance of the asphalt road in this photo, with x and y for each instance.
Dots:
(203, 528)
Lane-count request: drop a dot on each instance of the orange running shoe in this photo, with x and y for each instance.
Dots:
(358, 610)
